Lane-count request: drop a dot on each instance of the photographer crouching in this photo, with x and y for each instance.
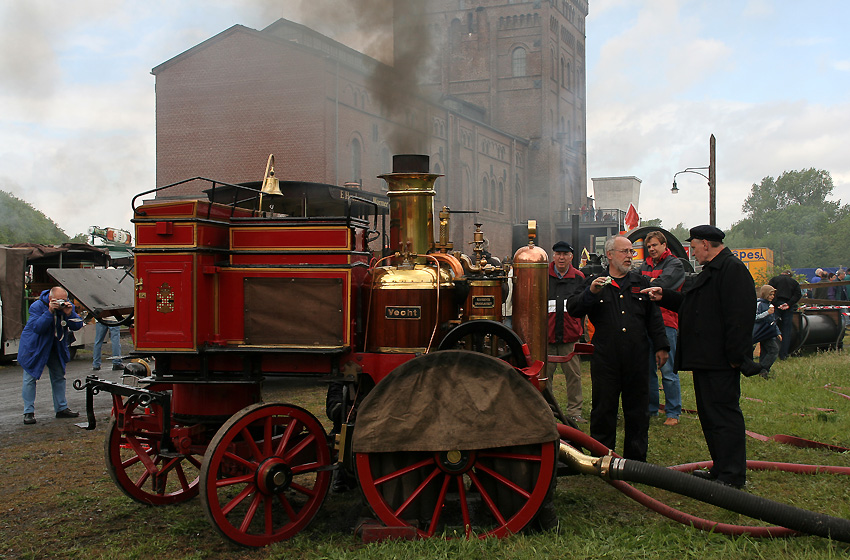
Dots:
(44, 343)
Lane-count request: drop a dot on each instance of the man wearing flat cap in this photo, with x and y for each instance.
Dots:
(716, 317)
(564, 329)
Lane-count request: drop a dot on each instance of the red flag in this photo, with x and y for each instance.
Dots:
(632, 218)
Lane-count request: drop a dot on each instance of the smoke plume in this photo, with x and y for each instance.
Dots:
(368, 25)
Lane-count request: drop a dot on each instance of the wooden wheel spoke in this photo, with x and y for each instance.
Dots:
(252, 511)
(287, 436)
(405, 470)
(194, 460)
(302, 445)
(303, 489)
(252, 444)
(247, 491)
(242, 461)
(506, 455)
(181, 477)
(267, 515)
(438, 508)
(504, 481)
(487, 499)
(267, 437)
(417, 492)
(142, 454)
(305, 468)
(464, 507)
(287, 507)
(244, 479)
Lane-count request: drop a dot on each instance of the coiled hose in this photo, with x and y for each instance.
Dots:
(792, 520)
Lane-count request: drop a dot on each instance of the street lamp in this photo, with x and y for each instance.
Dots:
(712, 197)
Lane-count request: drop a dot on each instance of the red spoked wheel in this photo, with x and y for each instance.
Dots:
(483, 493)
(265, 474)
(139, 467)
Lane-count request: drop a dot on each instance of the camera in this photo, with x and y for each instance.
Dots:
(63, 303)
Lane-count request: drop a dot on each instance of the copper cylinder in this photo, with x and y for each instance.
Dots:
(530, 293)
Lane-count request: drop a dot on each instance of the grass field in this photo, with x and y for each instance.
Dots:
(59, 502)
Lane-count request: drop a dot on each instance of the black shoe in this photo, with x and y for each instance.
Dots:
(117, 367)
(67, 413)
(95, 368)
(704, 474)
(730, 485)
(29, 418)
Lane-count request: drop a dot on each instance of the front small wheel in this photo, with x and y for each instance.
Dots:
(266, 473)
(139, 468)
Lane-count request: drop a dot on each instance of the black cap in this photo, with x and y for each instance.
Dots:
(562, 247)
(709, 233)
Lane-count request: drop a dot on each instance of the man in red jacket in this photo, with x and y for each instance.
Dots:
(564, 329)
(664, 271)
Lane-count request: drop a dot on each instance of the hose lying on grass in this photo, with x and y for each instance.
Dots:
(616, 470)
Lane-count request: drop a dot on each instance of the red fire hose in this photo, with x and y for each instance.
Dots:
(577, 436)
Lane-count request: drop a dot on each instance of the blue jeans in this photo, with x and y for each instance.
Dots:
(100, 331)
(669, 380)
(57, 383)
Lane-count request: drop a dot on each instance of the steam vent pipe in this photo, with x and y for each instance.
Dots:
(411, 193)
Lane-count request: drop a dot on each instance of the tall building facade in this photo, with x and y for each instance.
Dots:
(499, 107)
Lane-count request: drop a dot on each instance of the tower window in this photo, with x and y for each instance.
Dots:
(518, 62)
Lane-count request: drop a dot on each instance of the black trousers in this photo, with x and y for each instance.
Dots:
(613, 375)
(718, 393)
(783, 321)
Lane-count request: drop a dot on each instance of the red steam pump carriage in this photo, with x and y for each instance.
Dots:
(273, 282)
(442, 413)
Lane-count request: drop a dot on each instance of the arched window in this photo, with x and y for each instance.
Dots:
(501, 197)
(554, 72)
(569, 77)
(493, 194)
(486, 192)
(518, 61)
(563, 71)
(356, 159)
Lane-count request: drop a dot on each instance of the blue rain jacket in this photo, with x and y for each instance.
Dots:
(43, 332)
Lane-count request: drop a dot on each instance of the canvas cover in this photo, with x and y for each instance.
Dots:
(450, 400)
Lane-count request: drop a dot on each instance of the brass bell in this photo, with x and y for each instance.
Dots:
(271, 185)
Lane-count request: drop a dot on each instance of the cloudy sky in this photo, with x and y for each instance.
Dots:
(769, 78)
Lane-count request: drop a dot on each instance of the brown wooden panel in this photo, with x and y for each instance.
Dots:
(294, 311)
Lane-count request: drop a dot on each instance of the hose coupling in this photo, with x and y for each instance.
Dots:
(607, 466)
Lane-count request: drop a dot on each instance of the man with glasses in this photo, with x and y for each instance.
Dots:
(716, 319)
(625, 322)
(665, 271)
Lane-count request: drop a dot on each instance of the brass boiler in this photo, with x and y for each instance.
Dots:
(530, 294)
(411, 301)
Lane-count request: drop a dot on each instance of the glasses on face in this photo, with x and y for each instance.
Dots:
(627, 252)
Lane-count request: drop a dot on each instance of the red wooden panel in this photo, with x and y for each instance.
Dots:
(182, 235)
(287, 237)
(289, 259)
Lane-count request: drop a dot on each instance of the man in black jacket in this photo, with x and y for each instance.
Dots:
(785, 302)
(625, 321)
(716, 317)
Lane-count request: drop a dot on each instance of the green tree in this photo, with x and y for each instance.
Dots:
(653, 222)
(21, 223)
(793, 216)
